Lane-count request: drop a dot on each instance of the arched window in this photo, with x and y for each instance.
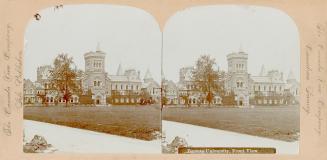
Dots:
(239, 84)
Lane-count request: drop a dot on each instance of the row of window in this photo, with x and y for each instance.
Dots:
(240, 66)
(118, 87)
(126, 87)
(267, 88)
(281, 101)
(97, 64)
(126, 100)
(28, 91)
(154, 91)
(49, 100)
(190, 86)
(202, 101)
(239, 84)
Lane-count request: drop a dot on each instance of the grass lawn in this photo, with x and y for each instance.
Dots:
(276, 122)
(139, 122)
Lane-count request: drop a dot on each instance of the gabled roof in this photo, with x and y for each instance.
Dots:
(291, 76)
(265, 79)
(120, 71)
(122, 78)
(148, 75)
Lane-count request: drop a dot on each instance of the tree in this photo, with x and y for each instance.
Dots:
(185, 99)
(164, 100)
(205, 78)
(43, 97)
(145, 97)
(63, 77)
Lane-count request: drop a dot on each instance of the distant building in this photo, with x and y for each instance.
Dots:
(151, 87)
(237, 79)
(126, 87)
(171, 92)
(95, 77)
(268, 88)
(98, 87)
(187, 92)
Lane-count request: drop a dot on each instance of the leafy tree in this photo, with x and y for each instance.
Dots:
(145, 97)
(43, 97)
(185, 99)
(205, 78)
(164, 100)
(64, 78)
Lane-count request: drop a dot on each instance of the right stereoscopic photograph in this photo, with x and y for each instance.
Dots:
(231, 81)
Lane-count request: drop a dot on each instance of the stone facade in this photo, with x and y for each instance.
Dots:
(95, 77)
(268, 88)
(237, 79)
(97, 85)
(126, 86)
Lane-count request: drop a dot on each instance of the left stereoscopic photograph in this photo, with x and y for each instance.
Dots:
(92, 80)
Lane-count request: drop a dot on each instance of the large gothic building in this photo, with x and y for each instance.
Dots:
(267, 88)
(126, 86)
(99, 87)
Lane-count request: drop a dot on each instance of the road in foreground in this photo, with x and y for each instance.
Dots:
(73, 140)
(197, 136)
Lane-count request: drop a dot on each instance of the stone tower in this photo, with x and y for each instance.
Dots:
(238, 78)
(95, 75)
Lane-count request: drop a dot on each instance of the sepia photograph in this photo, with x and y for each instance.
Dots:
(217, 77)
(163, 79)
(92, 81)
(231, 79)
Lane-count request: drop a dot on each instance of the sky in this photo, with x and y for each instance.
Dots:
(132, 37)
(127, 35)
(267, 35)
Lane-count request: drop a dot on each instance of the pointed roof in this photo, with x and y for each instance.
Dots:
(263, 71)
(120, 71)
(163, 77)
(241, 48)
(291, 76)
(147, 74)
(98, 47)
